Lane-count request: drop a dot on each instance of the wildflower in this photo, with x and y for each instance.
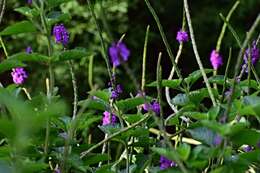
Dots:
(154, 106)
(108, 118)
(61, 34)
(115, 93)
(217, 140)
(165, 163)
(19, 75)
(182, 36)
(118, 52)
(216, 59)
(29, 50)
(29, 2)
(247, 148)
(252, 52)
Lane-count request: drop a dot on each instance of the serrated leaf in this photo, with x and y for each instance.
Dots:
(9, 64)
(167, 83)
(194, 76)
(25, 57)
(130, 103)
(246, 136)
(102, 94)
(180, 100)
(57, 16)
(29, 12)
(184, 151)
(96, 158)
(18, 28)
(72, 54)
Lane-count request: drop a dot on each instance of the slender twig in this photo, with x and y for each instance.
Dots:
(83, 154)
(75, 92)
(144, 58)
(90, 72)
(160, 122)
(239, 61)
(102, 42)
(226, 75)
(27, 93)
(4, 48)
(222, 33)
(186, 6)
(2, 10)
(165, 41)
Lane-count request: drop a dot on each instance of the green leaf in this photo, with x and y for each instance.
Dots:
(17, 28)
(56, 17)
(180, 100)
(167, 83)
(184, 151)
(26, 11)
(96, 104)
(52, 3)
(251, 106)
(168, 153)
(129, 103)
(96, 158)
(25, 57)
(246, 136)
(71, 54)
(203, 134)
(132, 118)
(102, 94)
(9, 64)
(196, 115)
(194, 76)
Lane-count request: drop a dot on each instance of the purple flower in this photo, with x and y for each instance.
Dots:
(61, 34)
(154, 106)
(252, 52)
(19, 75)
(247, 148)
(108, 118)
(216, 59)
(115, 93)
(29, 50)
(182, 36)
(217, 140)
(29, 2)
(118, 53)
(165, 163)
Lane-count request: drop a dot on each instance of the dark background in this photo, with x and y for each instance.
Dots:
(130, 17)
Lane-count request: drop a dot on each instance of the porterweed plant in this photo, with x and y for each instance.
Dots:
(117, 119)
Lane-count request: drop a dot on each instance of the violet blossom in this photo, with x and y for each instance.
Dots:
(61, 34)
(118, 53)
(108, 118)
(182, 36)
(215, 59)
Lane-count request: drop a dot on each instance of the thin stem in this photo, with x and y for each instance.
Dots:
(222, 33)
(249, 72)
(2, 10)
(3, 46)
(165, 41)
(226, 75)
(255, 75)
(196, 52)
(160, 122)
(75, 92)
(102, 41)
(144, 58)
(90, 72)
(239, 61)
(83, 154)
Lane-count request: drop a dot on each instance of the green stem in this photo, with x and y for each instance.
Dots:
(165, 41)
(186, 6)
(90, 72)
(144, 58)
(160, 122)
(222, 33)
(226, 75)
(83, 154)
(3, 46)
(75, 92)
(2, 10)
(239, 61)
(102, 41)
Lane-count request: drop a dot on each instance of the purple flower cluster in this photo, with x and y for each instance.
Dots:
(19, 75)
(118, 53)
(29, 2)
(166, 163)
(182, 36)
(217, 140)
(108, 118)
(247, 148)
(61, 34)
(29, 50)
(154, 106)
(116, 92)
(216, 59)
(252, 52)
